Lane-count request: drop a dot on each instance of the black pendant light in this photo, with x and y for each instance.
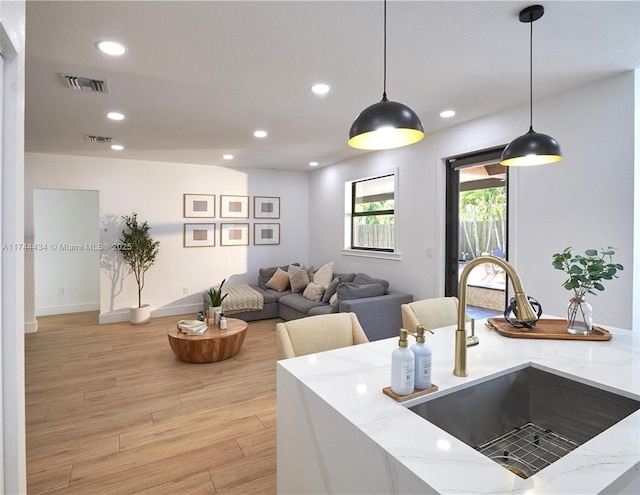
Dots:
(387, 124)
(531, 148)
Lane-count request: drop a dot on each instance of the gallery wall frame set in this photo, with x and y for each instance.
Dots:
(233, 207)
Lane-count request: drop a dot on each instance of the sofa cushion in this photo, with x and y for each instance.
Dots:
(299, 303)
(351, 290)
(364, 279)
(313, 292)
(279, 281)
(265, 274)
(333, 285)
(270, 295)
(324, 275)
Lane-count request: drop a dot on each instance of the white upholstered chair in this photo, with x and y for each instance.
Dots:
(318, 333)
(432, 313)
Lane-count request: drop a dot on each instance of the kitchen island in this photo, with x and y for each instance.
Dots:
(338, 432)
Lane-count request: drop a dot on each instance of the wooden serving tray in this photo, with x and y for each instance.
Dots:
(416, 393)
(545, 329)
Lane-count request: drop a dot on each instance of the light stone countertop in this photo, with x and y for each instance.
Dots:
(402, 453)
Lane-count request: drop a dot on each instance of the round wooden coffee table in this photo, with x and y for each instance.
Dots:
(213, 345)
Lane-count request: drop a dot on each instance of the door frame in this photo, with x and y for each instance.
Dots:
(452, 213)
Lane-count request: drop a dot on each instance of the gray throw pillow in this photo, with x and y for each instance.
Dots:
(331, 289)
(351, 290)
(364, 279)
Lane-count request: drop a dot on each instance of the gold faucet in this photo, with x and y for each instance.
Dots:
(526, 314)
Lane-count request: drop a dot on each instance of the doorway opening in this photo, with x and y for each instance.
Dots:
(476, 225)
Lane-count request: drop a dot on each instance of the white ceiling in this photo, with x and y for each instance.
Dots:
(200, 77)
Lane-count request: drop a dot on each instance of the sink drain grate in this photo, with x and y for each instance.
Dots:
(529, 447)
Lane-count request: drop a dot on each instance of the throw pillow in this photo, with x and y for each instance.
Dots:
(324, 275)
(331, 289)
(351, 290)
(333, 301)
(313, 292)
(265, 274)
(279, 281)
(299, 278)
(363, 279)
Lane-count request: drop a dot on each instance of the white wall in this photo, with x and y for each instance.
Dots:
(67, 258)
(13, 473)
(155, 191)
(584, 201)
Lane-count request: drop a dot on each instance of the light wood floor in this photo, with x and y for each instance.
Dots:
(111, 410)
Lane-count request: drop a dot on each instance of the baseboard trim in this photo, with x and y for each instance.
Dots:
(123, 314)
(67, 308)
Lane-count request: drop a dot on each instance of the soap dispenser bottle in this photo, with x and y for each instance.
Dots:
(402, 367)
(422, 353)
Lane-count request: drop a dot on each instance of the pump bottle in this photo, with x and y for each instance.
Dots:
(422, 353)
(402, 367)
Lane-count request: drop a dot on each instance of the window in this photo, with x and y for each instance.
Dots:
(372, 214)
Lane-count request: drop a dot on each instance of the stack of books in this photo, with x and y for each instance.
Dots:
(192, 327)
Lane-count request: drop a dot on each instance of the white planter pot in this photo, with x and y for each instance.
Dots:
(139, 316)
(213, 318)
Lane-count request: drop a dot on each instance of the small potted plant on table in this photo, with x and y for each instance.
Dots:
(586, 274)
(139, 251)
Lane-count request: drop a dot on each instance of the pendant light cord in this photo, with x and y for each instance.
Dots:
(531, 74)
(384, 63)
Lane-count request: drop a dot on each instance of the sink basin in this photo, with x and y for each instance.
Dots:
(528, 418)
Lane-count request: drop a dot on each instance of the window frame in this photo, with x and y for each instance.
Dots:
(351, 215)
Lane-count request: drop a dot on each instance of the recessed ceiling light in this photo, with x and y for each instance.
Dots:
(117, 147)
(227, 157)
(115, 116)
(446, 114)
(320, 88)
(111, 48)
(260, 134)
(313, 164)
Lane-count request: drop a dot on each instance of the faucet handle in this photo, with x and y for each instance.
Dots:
(472, 339)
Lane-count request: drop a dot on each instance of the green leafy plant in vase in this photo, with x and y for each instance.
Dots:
(586, 274)
(215, 299)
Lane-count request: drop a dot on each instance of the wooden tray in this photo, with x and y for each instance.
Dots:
(416, 393)
(545, 329)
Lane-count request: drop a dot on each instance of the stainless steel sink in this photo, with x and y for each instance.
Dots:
(528, 418)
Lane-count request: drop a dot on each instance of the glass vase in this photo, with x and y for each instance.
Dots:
(579, 316)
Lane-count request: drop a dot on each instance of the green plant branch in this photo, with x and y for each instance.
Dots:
(586, 273)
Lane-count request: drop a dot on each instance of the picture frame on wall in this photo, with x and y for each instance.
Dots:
(234, 234)
(199, 206)
(199, 235)
(234, 206)
(265, 234)
(266, 207)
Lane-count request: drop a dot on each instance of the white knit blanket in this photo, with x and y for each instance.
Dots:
(242, 297)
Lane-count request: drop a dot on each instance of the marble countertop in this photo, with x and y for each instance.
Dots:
(350, 381)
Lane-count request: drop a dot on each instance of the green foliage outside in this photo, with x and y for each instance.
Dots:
(373, 207)
(138, 249)
(482, 219)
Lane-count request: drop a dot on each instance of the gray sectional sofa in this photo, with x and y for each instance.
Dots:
(374, 303)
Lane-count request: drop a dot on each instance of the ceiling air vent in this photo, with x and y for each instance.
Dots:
(99, 139)
(85, 84)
